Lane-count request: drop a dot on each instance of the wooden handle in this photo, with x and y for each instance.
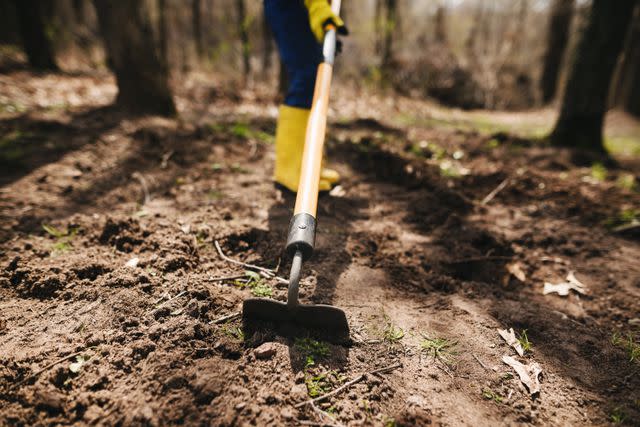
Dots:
(307, 198)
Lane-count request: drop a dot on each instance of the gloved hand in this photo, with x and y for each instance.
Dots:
(321, 15)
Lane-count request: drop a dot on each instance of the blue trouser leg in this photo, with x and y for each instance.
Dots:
(299, 50)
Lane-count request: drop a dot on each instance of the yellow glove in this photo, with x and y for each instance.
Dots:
(321, 15)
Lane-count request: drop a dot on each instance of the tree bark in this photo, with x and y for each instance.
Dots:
(557, 38)
(585, 98)
(267, 51)
(243, 33)
(141, 75)
(37, 44)
(625, 91)
(390, 26)
(196, 22)
(440, 25)
(162, 32)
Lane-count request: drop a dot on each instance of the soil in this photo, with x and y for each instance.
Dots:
(112, 311)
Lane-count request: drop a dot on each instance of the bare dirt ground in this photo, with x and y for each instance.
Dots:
(112, 310)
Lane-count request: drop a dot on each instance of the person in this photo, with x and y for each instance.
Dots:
(298, 27)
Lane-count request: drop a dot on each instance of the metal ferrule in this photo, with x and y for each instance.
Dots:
(329, 46)
(302, 235)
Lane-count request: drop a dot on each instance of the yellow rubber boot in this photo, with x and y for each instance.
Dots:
(290, 135)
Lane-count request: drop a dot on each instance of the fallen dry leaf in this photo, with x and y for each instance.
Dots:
(515, 268)
(528, 373)
(563, 288)
(510, 337)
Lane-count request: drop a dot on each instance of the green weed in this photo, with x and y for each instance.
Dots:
(262, 290)
(439, 348)
(390, 422)
(215, 195)
(234, 332)
(627, 181)
(391, 332)
(311, 350)
(63, 238)
(628, 343)
(491, 395)
(241, 130)
(317, 385)
(256, 283)
(523, 339)
(626, 216)
(617, 416)
(599, 172)
(237, 168)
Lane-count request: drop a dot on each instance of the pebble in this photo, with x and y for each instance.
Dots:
(287, 414)
(265, 351)
(299, 392)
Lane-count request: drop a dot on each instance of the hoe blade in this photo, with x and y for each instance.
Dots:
(325, 320)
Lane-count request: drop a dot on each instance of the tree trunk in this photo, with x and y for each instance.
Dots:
(378, 26)
(267, 51)
(557, 38)
(141, 75)
(440, 25)
(585, 98)
(626, 84)
(243, 33)
(390, 26)
(162, 32)
(37, 44)
(196, 22)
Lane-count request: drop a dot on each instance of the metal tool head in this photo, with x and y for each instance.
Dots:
(324, 321)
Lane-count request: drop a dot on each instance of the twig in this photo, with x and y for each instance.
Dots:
(225, 318)
(165, 159)
(495, 192)
(170, 299)
(324, 415)
(243, 264)
(145, 188)
(348, 384)
(627, 227)
(49, 366)
(225, 278)
(480, 258)
(480, 362)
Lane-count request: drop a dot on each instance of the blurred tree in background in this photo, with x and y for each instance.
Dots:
(557, 40)
(463, 53)
(35, 17)
(584, 102)
(136, 57)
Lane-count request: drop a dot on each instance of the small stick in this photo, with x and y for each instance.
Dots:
(480, 258)
(224, 279)
(480, 362)
(165, 159)
(170, 299)
(225, 318)
(324, 415)
(49, 366)
(143, 182)
(348, 384)
(244, 264)
(495, 192)
(627, 227)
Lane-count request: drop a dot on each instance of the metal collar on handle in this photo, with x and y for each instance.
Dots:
(330, 37)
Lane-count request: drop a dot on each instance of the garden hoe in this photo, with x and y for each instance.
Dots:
(330, 321)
